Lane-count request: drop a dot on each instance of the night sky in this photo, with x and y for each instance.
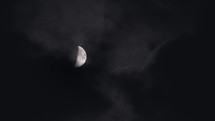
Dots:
(146, 60)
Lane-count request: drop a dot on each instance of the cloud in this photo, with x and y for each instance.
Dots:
(122, 40)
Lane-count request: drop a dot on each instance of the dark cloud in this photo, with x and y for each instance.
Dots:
(143, 60)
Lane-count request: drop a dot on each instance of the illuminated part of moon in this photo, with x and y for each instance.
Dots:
(81, 57)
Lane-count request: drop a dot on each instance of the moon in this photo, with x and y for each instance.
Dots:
(81, 57)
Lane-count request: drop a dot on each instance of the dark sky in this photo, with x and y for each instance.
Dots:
(147, 60)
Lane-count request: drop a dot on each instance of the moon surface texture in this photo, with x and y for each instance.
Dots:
(81, 57)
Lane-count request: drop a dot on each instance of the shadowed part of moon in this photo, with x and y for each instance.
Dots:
(81, 57)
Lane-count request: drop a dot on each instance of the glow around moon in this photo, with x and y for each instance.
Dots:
(81, 57)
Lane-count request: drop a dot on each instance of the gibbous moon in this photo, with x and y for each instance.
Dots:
(81, 57)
